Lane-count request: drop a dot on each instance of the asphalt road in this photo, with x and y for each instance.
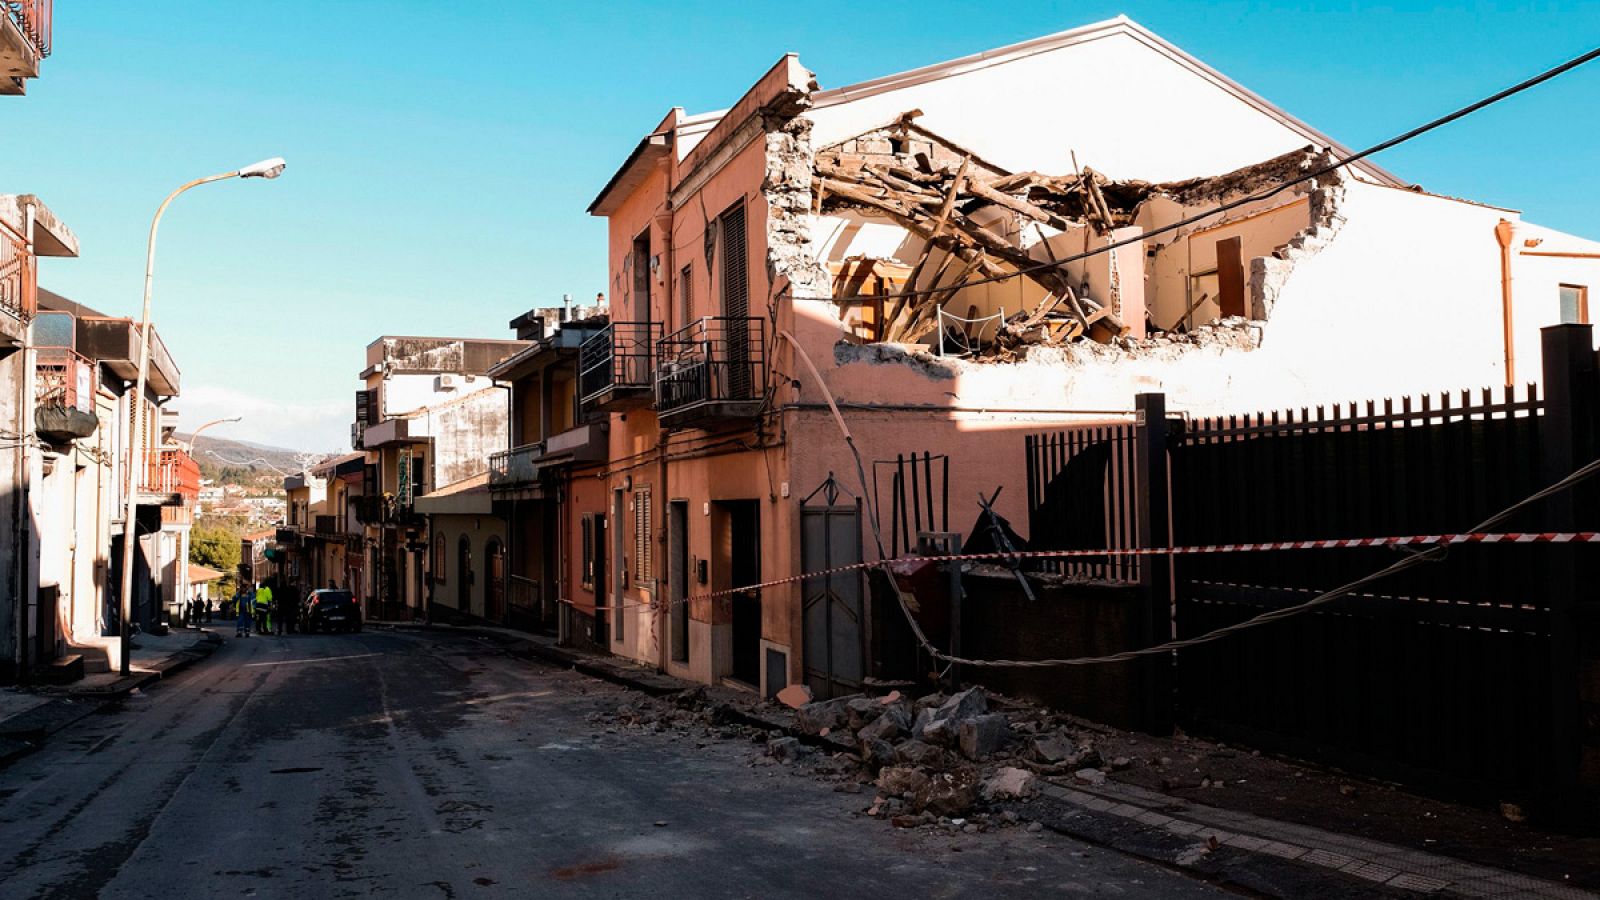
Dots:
(408, 765)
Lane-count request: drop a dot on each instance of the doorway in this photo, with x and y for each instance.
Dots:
(616, 563)
(597, 574)
(494, 590)
(678, 576)
(743, 523)
(464, 575)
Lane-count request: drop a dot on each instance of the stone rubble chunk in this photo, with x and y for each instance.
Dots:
(831, 714)
(787, 749)
(1090, 776)
(1009, 783)
(949, 793)
(877, 753)
(897, 781)
(983, 736)
(893, 723)
(861, 712)
(918, 753)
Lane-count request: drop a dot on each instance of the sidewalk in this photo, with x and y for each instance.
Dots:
(29, 715)
(1265, 854)
(1159, 822)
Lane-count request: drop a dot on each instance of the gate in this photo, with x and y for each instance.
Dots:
(833, 613)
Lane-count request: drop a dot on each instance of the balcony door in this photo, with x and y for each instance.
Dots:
(637, 365)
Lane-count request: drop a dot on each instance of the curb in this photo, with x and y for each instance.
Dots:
(654, 684)
(27, 732)
(1224, 866)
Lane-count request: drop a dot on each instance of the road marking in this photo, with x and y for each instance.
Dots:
(290, 662)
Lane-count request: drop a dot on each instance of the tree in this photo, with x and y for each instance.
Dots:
(218, 548)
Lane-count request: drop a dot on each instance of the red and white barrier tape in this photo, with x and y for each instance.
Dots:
(1418, 540)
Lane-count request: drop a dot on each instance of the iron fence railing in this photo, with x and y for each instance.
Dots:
(17, 274)
(515, 466)
(172, 471)
(717, 358)
(64, 378)
(620, 356)
(33, 18)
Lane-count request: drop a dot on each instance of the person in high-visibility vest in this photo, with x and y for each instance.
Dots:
(263, 605)
(241, 599)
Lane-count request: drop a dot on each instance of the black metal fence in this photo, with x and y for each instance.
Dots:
(912, 494)
(1464, 672)
(1082, 495)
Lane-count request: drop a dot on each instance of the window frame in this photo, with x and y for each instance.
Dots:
(441, 557)
(1582, 306)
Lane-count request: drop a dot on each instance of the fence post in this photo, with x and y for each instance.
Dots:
(1154, 616)
(1568, 441)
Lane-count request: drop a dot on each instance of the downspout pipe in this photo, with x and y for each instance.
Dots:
(1503, 232)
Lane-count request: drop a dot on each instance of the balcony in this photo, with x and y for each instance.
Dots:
(326, 526)
(171, 478)
(287, 536)
(515, 467)
(115, 343)
(64, 386)
(17, 294)
(24, 41)
(390, 431)
(713, 370)
(370, 510)
(614, 366)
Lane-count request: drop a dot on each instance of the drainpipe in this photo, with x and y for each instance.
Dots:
(1503, 233)
(22, 508)
(662, 504)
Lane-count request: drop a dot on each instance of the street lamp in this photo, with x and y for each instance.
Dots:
(190, 448)
(267, 168)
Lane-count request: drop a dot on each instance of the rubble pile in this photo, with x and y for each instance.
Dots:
(959, 762)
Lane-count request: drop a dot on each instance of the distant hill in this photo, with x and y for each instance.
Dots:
(245, 462)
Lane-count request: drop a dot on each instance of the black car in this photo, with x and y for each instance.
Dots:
(330, 610)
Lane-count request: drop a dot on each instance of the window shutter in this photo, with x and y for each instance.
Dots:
(644, 567)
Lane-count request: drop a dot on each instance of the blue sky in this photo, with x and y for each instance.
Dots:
(441, 155)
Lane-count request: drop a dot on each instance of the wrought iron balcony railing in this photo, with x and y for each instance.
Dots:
(713, 368)
(172, 473)
(33, 19)
(616, 363)
(65, 378)
(17, 273)
(516, 466)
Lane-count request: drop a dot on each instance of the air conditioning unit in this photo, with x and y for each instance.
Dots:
(446, 382)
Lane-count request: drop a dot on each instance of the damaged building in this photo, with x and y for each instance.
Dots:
(952, 265)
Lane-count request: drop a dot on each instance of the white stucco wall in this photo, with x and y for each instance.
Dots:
(1152, 117)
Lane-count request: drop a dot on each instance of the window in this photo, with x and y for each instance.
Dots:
(1574, 304)
(586, 570)
(644, 563)
(440, 560)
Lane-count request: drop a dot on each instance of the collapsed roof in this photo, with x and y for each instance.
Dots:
(936, 191)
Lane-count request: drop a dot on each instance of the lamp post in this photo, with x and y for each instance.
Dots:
(189, 449)
(267, 168)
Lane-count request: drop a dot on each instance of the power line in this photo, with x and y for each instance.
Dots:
(1267, 193)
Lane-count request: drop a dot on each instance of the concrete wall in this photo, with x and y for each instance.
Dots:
(479, 531)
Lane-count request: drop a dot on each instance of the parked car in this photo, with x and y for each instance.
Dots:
(331, 610)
